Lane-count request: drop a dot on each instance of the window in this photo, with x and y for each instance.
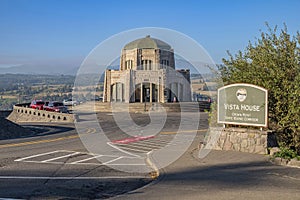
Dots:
(146, 65)
(128, 64)
(164, 63)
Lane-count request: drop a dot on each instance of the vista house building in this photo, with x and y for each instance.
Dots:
(147, 74)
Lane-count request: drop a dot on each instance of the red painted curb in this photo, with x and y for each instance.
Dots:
(133, 139)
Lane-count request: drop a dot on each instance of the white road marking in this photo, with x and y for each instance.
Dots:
(137, 150)
(37, 155)
(94, 164)
(145, 146)
(80, 161)
(134, 145)
(110, 162)
(141, 144)
(65, 156)
(113, 160)
(114, 146)
(156, 142)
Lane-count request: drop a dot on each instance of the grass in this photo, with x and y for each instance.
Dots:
(9, 96)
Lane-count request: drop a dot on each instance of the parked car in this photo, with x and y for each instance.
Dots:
(204, 98)
(70, 102)
(37, 104)
(56, 106)
(46, 104)
(204, 102)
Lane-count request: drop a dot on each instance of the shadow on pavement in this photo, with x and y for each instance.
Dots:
(223, 175)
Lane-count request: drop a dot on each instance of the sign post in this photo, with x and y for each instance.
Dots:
(243, 104)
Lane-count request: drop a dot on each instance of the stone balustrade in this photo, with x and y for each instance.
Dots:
(22, 113)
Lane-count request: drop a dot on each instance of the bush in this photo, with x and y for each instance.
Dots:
(287, 154)
(272, 62)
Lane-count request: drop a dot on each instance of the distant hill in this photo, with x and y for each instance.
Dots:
(39, 69)
(13, 81)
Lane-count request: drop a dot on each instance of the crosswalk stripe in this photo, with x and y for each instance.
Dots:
(137, 150)
(37, 155)
(149, 145)
(57, 158)
(136, 146)
(83, 160)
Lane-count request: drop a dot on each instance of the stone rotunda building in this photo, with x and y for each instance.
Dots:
(147, 74)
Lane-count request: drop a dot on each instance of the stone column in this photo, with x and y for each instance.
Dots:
(141, 93)
(121, 89)
(178, 92)
(151, 93)
(117, 91)
(114, 92)
(181, 92)
(158, 93)
(170, 95)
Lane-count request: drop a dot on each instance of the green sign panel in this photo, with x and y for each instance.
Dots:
(243, 104)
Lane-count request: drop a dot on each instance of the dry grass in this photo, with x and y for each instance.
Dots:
(9, 96)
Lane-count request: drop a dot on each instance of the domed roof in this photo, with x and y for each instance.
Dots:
(147, 43)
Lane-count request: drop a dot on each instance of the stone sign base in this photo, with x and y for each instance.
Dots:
(239, 139)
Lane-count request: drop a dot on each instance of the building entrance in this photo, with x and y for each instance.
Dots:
(146, 92)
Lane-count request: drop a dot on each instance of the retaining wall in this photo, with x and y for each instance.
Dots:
(25, 114)
(244, 140)
(142, 107)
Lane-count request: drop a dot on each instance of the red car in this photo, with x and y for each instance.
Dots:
(37, 104)
(56, 106)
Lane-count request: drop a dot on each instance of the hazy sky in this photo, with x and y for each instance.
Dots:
(65, 31)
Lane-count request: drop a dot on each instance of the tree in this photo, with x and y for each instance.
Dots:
(272, 62)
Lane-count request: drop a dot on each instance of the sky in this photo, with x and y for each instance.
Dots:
(63, 32)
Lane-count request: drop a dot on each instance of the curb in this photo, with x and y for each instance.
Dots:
(156, 175)
(285, 162)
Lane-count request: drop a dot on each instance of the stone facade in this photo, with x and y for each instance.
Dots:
(147, 74)
(239, 139)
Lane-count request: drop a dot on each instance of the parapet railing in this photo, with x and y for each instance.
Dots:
(22, 112)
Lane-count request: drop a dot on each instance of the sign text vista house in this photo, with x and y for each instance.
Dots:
(243, 104)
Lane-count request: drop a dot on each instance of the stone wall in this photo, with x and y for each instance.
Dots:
(25, 114)
(240, 139)
(141, 107)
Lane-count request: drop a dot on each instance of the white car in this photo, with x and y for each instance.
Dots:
(70, 102)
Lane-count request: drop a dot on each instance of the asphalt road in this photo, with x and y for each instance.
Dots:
(55, 164)
(222, 176)
(58, 165)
